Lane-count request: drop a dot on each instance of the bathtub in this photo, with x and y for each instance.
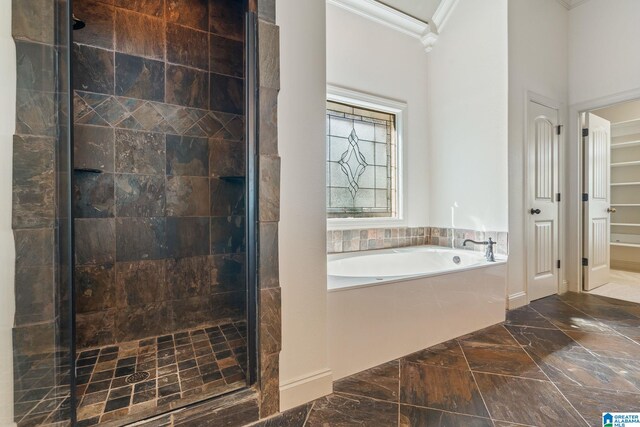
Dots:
(388, 303)
(376, 267)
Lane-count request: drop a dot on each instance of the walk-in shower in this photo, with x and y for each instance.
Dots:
(151, 244)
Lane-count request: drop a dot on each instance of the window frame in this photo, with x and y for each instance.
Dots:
(385, 105)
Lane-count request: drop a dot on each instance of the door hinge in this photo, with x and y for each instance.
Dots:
(558, 197)
(558, 263)
(585, 132)
(585, 262)
(585, 197)
(559, 129)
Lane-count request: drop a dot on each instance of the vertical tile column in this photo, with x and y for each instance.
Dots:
(40, 336)
(34, 201)
(269, 321)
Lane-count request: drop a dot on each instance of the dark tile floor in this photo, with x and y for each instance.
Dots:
(133, 380)
(562, 360)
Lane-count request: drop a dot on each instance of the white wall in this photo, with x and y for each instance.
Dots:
(7, 255)
(467, 94)
(604, 58)
(537, 63)
(365, 56)
(304, 373)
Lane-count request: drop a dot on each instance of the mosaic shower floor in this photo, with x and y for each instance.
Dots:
(41, 394)
(132, 380)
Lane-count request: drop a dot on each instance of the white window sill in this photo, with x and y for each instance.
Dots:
(364, 223)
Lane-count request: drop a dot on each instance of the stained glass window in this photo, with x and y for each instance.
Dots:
(361, 162)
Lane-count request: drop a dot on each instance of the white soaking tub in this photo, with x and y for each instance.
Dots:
(388, 303)
(373, 267)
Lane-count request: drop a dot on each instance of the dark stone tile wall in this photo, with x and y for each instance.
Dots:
(127, 92)
(40, 341)
(270, 313)
(159, 158)
(34, 176)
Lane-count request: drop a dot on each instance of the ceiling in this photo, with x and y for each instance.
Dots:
(570, 4)
(424, 9)
(421, 9)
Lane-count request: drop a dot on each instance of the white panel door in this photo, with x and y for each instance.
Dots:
(597, 180)
(542, 203)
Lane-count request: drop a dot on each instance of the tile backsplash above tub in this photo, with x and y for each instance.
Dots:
(339, 241)
(375, 238)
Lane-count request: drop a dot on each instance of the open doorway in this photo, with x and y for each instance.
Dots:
(611, 196)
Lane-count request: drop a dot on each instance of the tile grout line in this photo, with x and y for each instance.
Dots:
(586, 332)
(306, 419)
(475, 381)
(451, 412)
(594, 354)
(508, 376)
(545, 374)
(548, 319)
(599, 320)
(352, 395)
(585, 349)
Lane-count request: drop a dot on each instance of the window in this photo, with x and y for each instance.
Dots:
(362, 160)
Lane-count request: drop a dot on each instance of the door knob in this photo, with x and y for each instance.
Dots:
(535, 211)
(611, 210)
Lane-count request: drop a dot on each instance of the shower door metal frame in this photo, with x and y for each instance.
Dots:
(251, 192)
(70, 216)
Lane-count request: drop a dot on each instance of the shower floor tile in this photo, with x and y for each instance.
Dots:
(41, 393)
(134, 379)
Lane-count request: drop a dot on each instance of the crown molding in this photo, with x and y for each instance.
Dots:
(428, 40)
(570, 4)
(391, 18)
(442, 13)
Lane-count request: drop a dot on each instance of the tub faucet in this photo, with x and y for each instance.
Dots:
(489, 244)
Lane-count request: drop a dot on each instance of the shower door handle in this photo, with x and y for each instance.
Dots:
(89, 170)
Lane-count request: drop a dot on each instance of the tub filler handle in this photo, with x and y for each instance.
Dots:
(489, 244)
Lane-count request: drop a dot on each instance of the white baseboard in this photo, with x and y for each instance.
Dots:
(519, 299)
(306, 388)
(564, 287)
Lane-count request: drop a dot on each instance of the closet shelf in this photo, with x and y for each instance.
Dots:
(626, 195)
(626, 245)
(621, 184)
(624, 144)
(621, 164)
